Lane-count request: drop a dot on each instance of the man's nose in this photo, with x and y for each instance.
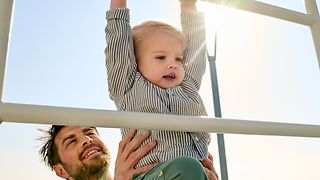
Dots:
(86, 140)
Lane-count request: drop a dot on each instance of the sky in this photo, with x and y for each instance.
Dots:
(267, 71)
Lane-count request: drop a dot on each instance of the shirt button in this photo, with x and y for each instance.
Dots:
(170, 93)
(197, 139)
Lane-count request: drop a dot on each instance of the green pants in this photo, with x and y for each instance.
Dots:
(184, 168)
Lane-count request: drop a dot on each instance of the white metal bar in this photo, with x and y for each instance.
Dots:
(23, 113)
(311, 19)
(312, 10)
(6, 9)
(311, 7)
(269, 10)
(103, 118)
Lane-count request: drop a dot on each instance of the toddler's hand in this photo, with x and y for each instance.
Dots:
(188, 2)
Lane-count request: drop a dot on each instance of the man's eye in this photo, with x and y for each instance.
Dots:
(90, 133)
(72, 141)
(160, 57)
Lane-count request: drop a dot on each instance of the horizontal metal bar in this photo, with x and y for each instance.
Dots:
(269, 10)
(24, 113)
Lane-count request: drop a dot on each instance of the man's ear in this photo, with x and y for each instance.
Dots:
(60, 171)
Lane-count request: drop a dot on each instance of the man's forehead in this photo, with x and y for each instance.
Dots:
(70, 130)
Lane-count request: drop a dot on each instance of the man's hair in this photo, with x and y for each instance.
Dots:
(49, 151)
(147, 28)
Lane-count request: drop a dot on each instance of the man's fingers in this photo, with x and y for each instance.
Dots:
(209, 168)
(210, 157)
(212, 175)
(144, 168)
(135, 156)
(128, 154)
(125, 140)
(207, 163)
(135, 143)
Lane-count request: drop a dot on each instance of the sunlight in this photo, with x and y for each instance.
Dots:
(233, 27)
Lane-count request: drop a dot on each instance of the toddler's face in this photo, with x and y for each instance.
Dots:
(161, 60)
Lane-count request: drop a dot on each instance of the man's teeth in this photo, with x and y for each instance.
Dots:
(91, 152)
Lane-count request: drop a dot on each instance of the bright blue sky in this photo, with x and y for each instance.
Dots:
(267, 70)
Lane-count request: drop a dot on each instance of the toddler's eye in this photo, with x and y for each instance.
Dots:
(160, 57)
(179, 59)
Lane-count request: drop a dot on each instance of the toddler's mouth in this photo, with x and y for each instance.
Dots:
(169, 76)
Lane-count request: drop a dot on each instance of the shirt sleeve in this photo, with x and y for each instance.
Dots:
(192, 24)
(120, 59)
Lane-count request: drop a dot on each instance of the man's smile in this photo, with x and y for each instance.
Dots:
(90, 152)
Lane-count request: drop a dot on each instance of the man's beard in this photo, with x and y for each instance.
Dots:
(97, 168)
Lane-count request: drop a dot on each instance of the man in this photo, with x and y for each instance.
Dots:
(77, 153)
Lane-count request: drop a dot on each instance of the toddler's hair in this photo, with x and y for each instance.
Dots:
(147, 28)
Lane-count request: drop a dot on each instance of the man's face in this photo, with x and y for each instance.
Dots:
(82, 153)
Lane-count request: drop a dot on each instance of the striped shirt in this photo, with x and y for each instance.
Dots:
(132, 92)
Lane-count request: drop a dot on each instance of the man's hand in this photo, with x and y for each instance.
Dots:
(208, 167)
(129, 155)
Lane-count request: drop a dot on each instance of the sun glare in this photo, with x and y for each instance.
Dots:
(233, 27)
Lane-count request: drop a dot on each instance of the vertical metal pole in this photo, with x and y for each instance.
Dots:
(217, 110)
(311, 8)
(6, 9)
